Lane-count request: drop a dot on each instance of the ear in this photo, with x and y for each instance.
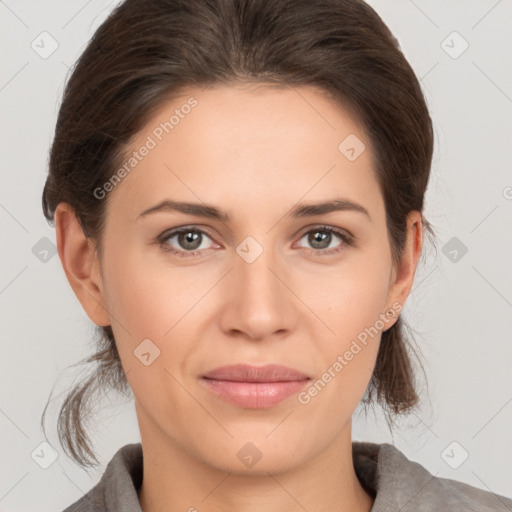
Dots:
(402, 277)
(79, 259)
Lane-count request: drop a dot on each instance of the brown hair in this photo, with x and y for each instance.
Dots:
(147, 50)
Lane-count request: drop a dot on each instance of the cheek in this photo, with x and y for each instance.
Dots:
(351, 302)
(148, 300)
(351, 297)
(147, 303)
(363, 297)
(161, 303)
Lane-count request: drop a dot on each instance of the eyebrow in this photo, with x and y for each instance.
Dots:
(299, 211)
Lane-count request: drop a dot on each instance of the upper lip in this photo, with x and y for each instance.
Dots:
(248, 373)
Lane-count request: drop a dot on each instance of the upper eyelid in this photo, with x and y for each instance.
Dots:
(176, 231)
(340, 232)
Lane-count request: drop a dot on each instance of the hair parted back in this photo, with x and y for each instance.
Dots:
(146, 51)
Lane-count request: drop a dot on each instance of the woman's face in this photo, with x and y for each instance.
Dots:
(262, 285)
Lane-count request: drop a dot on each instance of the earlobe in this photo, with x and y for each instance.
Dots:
(79, 260)
(403, 276)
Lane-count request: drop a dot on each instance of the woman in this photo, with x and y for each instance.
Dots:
(237, 189)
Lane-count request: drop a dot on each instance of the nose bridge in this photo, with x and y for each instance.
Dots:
(261, 302)
(256, 266)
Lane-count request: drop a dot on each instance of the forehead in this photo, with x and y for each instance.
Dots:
(248, 142)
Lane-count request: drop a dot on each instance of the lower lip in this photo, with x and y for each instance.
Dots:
(254, 395)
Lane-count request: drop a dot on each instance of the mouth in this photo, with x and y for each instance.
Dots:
(254, 387)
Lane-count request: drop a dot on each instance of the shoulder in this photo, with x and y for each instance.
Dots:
(401, 484)
(118, 486)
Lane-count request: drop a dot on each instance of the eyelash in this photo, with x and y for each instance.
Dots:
(346, 238)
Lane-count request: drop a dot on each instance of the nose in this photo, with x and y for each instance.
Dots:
(259, 302)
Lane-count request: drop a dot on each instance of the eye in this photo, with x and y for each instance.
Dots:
(188, 240)
(321, 237)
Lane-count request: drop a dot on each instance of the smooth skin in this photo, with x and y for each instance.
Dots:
(254, 153)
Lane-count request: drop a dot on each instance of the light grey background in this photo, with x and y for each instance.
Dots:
(461, 306)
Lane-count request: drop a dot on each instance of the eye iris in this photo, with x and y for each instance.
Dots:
(318, 237)
(187, 238)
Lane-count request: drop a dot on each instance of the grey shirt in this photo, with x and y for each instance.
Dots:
(397, 484)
